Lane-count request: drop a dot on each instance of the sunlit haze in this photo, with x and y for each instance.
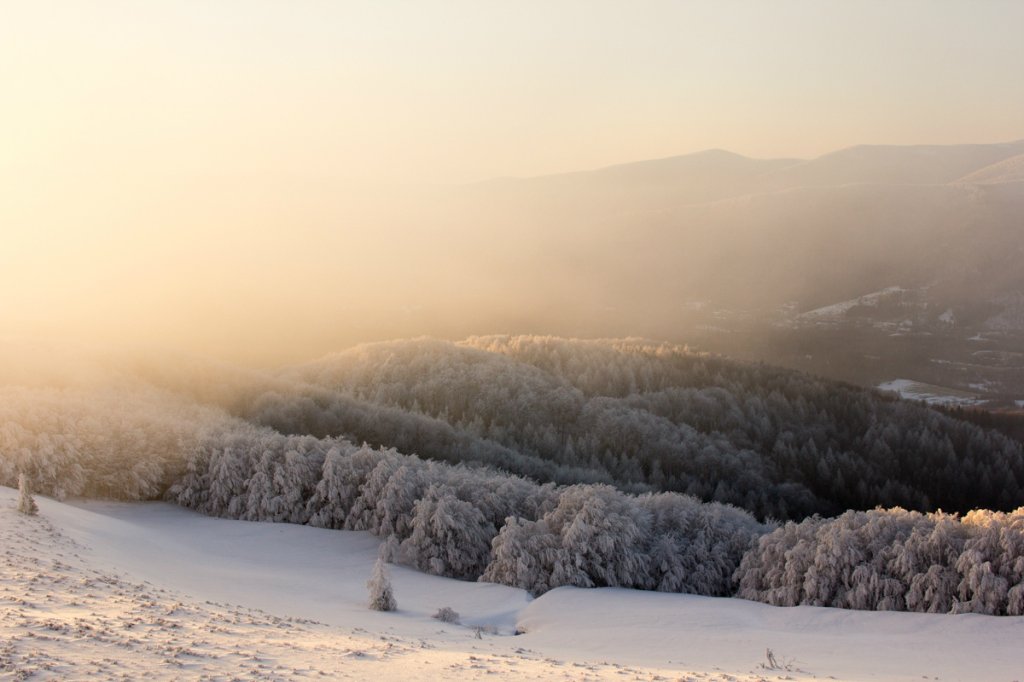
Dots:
(409, 340)
(261, 180)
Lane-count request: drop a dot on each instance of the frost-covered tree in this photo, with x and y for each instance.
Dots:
(597, 536)
(345, 469)
(132, 442)
(395, 509)
(543, 462)
(892, 560)
(382, 597)
(449, 536)
(26, 505)
(524, 555)
(644, 416)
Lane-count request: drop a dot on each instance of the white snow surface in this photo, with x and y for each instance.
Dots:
(841, 308)
(929, 393)
(104, 590)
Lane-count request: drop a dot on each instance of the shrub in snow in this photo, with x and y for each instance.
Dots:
(382, 597)
(26, 505)
(447, 614)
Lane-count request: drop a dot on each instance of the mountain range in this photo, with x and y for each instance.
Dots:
(719, 228)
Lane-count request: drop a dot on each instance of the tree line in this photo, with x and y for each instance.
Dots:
(540, 462)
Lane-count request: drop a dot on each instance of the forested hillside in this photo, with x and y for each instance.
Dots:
(450, 520)
(892, 560)
(539, 462)
(641, 416)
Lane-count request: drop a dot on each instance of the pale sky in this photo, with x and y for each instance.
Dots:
(464, 90)
(174, 157)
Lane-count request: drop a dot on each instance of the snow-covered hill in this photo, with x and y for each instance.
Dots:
(1007, 170)
(842, 308)
(115, 590)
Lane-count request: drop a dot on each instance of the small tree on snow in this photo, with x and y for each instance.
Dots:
(382, 597)
(26, 505)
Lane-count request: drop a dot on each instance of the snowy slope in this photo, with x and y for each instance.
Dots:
(837, 310)
(908, 389)
(269, 566)
(707, 632)
(1007, 170)
(103, 590)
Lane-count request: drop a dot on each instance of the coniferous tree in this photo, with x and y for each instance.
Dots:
(26, 505)
(382, 596)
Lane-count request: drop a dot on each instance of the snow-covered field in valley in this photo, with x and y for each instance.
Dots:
(124, 590)
(929, 393)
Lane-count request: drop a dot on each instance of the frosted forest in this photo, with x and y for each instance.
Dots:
(538, 462)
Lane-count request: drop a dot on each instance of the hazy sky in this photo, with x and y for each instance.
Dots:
(462, 90)
(148, 146)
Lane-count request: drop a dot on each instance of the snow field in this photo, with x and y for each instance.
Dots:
(105, 590)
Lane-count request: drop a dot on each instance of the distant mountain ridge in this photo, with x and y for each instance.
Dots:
(747, 234)
(918, 160)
